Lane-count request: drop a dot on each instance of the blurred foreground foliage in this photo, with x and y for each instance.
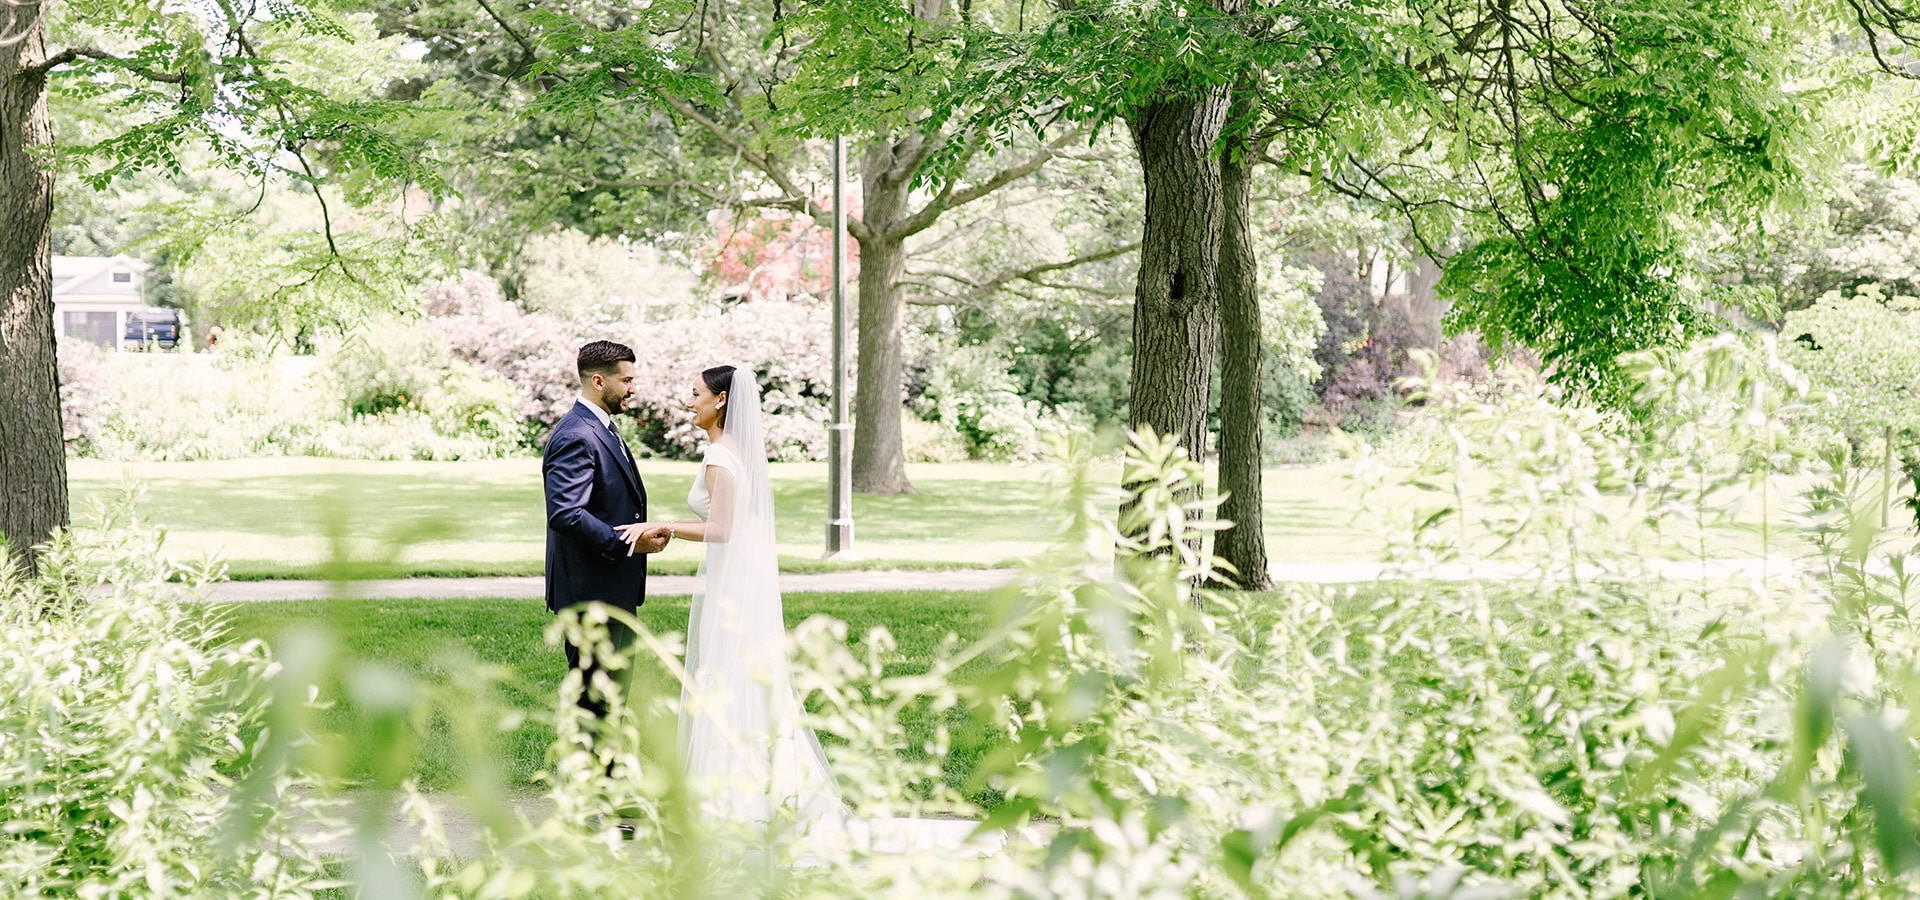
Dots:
(1601, 724)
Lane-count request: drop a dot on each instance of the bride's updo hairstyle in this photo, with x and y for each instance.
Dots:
(718, 378)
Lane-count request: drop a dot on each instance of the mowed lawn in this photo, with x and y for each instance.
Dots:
(282, 518)
(414, 635)
(279, 518)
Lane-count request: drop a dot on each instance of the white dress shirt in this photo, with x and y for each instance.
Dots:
(606, 420)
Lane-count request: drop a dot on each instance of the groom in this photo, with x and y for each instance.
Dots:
(595, 504)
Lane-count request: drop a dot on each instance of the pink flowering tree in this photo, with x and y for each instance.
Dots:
(772, 254)
(784, 341)
(533, 351)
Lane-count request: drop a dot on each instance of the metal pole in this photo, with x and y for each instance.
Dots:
(840, 433)
(1886, 480)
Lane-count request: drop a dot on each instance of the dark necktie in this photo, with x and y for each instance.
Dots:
(619, 441)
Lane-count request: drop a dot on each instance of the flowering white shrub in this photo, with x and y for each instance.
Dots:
(171, 406)
(533, 351)
(394, 394)
(599, 282)
(782, 341)
(83, 389)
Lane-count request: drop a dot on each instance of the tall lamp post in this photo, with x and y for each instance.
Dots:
(840, 433)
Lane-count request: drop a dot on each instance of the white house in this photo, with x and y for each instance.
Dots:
(92, 296)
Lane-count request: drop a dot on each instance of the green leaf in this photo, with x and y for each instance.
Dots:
(1885, 763)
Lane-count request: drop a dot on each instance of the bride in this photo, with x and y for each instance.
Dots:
(747, 754)
(749, 757)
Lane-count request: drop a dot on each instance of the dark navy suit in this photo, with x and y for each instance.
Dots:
(592, 486)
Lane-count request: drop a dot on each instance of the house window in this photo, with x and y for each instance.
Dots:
(92, 327)
(122, 277)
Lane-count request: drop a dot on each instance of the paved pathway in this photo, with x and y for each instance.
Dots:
(462, 829)
(524, 587)
(894, 580)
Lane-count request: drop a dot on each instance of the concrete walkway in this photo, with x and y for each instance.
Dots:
(527, 587)
(521, 588)
(401, 834)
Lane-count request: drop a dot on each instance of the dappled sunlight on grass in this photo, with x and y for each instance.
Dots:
(279, 517)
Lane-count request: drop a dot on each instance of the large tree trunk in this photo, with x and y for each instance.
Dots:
(33, 461)
(879, 451)
(1243, 546)
(1176, 309)
(1426, 312)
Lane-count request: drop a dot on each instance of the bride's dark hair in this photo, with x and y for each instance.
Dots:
(718, 378)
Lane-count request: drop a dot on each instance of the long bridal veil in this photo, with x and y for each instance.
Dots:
(748, 754)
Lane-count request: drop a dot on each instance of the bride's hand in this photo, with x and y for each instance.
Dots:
(645, 537)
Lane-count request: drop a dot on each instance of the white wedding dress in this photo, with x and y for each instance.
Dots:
(746, 750)
(749, 757)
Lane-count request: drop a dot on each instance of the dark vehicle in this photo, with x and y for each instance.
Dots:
(155, 327)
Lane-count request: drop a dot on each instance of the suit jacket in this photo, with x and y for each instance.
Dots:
(591, 486)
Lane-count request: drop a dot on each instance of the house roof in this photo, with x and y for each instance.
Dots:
(75, 274)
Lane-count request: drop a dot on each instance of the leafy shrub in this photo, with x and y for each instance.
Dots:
(397, 435)
(121, 711)
(1863, 353)
(929, 442)
(1292, 325)
(83, 386)
(1063, 356)
(393, 369)
(168, 406)
(973, 396)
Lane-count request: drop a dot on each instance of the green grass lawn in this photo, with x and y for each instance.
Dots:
(411, 634)
(279, 518)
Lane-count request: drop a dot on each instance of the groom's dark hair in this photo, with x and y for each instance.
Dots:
(603, 357)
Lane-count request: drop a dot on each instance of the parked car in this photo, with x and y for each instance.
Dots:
(154, 327)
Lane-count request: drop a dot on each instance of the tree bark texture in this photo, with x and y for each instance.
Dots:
(886, 180)
(33, 461)
(879, 450)
(1243, 546)
(1176, 311)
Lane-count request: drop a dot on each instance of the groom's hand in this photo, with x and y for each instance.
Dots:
(645, 538)
(657, 537)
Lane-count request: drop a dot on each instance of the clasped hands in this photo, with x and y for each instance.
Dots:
(645, 537)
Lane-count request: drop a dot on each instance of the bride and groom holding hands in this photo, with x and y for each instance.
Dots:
(746, 752)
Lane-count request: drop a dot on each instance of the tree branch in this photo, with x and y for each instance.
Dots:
(630, 183)
(951, 198)
(518, 38)
(798, 200)
(983, 289)
(94, 53)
